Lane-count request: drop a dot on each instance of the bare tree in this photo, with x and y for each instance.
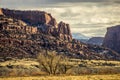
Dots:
(53, 63)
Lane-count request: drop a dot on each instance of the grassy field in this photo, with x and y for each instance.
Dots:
(75, 62)
(86, 68)
(82, 77)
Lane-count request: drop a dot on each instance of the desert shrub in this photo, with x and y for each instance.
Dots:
(2, 60)
(108, 64)
(91, 70)
(82, 65)
(8, 58)
(53, 63)
(80, 70)
(20, 70)
(4, 71)
(9, 66)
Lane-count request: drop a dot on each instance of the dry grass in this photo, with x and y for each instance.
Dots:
(96, 63)
(25, 62)
(82, 77)
(30, 67)
(89, 63)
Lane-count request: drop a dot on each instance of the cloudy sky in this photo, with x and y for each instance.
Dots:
(89, 17)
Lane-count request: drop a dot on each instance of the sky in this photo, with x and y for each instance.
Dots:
(89, 17)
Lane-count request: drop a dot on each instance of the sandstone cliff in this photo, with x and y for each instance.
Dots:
(44, 21)
(112, 38)
(14, 25)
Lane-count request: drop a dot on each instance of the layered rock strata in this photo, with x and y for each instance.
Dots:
(44, 21)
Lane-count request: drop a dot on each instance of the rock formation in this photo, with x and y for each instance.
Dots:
(45, 22)
(64, 31)
(31, 17)
(9, 24)
(20, 39)
(112, 38)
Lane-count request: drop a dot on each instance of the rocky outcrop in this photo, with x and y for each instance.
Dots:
(64, 31)
(112, 38)
(9, 24)
(44, 21)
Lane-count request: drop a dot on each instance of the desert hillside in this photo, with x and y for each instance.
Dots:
(22, 37)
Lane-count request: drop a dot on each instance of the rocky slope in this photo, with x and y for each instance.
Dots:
(95, 41)
(112, 38)
(19, 39)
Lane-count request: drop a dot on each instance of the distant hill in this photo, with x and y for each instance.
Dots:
(79, 36)
(96, 40)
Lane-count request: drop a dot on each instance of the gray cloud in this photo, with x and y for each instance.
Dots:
(77, 1)
(69, 13)
(71, 1)
(46, 3)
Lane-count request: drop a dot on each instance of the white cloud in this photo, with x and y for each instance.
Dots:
(90, 20)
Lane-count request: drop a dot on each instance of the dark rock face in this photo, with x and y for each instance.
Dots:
(112, 38)
(44, 21)
(95, 40)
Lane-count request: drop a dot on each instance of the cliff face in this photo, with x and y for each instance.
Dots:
(44, 21)
(112, 38)
(31, 17)
(14, 25)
